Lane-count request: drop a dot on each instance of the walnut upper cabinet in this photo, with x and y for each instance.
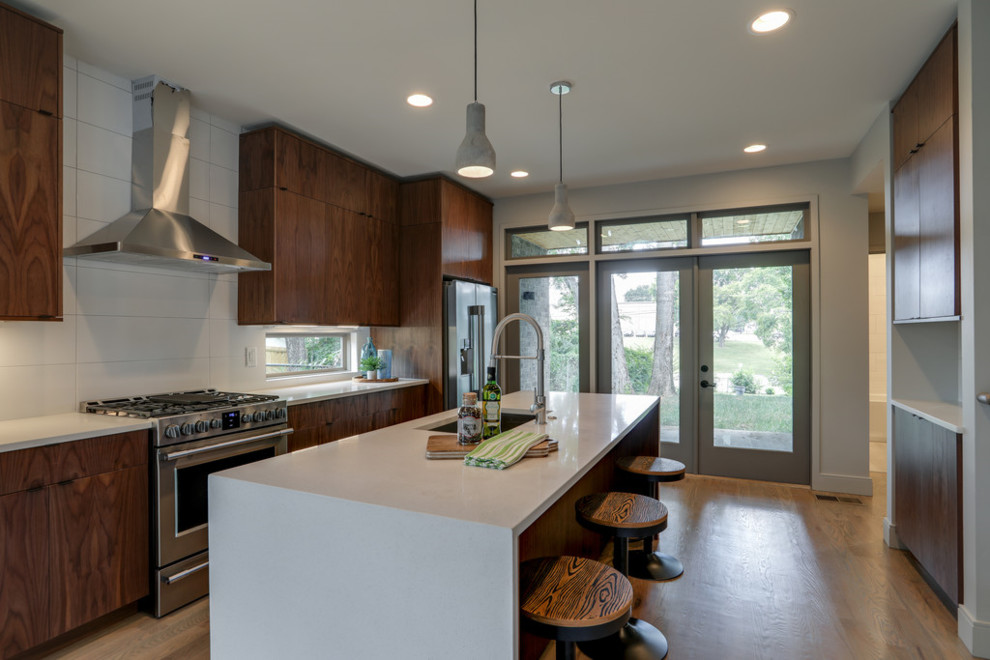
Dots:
(328, 226)
(926, 191)
(30, 168)
(465, 220)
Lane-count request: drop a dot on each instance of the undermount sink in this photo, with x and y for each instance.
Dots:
(510, 420)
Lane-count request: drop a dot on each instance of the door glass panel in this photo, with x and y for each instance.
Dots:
(645, 352)
(191, 504)
(752, 349)
(555, 304)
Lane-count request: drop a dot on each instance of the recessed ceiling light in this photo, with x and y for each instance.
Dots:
(419, 100)
(519, 174)
(770, 21)
(755, 148)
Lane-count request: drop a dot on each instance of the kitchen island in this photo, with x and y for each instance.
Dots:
(363, 548)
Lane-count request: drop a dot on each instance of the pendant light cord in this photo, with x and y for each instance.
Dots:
(560, 123)
(475, 51)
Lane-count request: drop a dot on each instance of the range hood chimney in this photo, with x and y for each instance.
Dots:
(160, 232)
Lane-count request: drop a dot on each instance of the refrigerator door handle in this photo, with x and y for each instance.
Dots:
(477, 315)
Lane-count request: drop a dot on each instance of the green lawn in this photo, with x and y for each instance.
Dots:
(756, 358)
(753, 412)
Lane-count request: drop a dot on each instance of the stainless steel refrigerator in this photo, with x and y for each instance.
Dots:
(470, 314)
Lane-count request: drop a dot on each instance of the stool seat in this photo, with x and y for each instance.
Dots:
(572, 599)
(652, 468)
(622, 514)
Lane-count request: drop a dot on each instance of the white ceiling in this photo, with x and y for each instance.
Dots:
(661, 88)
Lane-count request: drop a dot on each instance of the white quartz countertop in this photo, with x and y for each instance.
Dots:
(389, 468)
(53, 429)
(946, 415)
(309, 393)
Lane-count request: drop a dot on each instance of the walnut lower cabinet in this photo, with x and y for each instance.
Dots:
(324, 421)
(928, 496)
(73, 535)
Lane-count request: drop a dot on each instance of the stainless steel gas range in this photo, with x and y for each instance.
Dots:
(194, 434)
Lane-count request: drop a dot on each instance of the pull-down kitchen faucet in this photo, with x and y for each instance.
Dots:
(539, 396)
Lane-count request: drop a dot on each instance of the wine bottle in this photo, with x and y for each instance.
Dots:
(491, 407)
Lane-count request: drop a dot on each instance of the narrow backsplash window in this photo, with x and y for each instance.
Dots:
(292, 354)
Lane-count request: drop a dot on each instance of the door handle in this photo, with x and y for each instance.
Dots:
(705, 383)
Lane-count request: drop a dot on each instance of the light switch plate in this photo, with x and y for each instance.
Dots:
(251, 356)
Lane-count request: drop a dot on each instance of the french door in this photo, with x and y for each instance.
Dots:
(725, 341)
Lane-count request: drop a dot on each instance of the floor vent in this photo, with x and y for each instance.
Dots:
(841, 498)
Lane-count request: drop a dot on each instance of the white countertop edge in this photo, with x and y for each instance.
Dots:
(940, 413)
(337, 389)
(30, 432)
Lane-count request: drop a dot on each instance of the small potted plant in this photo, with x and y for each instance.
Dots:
(370, 365)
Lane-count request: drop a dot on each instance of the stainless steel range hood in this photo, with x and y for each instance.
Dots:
(161, 232)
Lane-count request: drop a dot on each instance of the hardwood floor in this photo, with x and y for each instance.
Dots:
(770, 572)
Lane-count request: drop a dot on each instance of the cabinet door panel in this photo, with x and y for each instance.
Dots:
(99, 546)
(945, 523)
(467, 234)
(301, 167)
(905, 120)
(30, 214)
(346, 184)
(30, 63)
(906, 242)
(382, 273)
(383, 196)
(937, 88)
(346, 273)
(938, 224)
(301, 255)
(24, 571)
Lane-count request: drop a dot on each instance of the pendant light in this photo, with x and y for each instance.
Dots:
(476, 156)
(561, 216)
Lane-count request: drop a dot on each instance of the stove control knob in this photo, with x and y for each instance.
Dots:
(171, 431)
(215, 423)
(279, 413)
(269, 415)
(245, 418)
(259, 416)
(202, 426)
(187, 428)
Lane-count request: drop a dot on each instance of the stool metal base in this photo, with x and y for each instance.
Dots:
(654, 566)
(638, 640)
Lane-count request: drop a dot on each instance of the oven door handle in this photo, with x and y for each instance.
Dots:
(222, 445)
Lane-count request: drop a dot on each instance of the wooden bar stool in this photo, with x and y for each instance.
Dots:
(570, 599)
(647, 564)
(624, 516)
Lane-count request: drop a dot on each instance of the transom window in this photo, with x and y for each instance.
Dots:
(661, 233)
(529, 242)
(753, 226)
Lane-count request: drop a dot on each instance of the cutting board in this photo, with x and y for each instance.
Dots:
(446, 446)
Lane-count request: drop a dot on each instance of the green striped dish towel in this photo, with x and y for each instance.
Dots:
(503, 450)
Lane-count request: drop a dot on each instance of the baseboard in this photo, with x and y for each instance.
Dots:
(840, 483)
(890, 536)
(974, 633)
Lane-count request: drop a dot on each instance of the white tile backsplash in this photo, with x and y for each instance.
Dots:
(38, 390)
(69, 142)
(101, 198)
(223, 186)
(101, 151)
(69, 91)
(110, 379)
(105, 76)
(69, 191)
(129, 338)
(199, 139)
(199, 179)
(224, 148)
(24, 344)
(129, 329)
(104, 105)
(103, 292)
